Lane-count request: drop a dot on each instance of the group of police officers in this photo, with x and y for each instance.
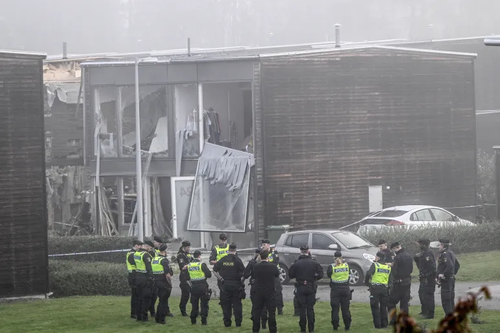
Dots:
(389, 281)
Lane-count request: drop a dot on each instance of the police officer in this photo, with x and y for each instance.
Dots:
(157, 241)
(230, 271)
(218, 252)
(162, 273)
(388, 255)
(426, 264)
(184, 258)
(306, 272)
(264, 274)
(198, 273)
(144, 280)
(131, 277)
(448, 267)
(378, 278)
(275, 259)
(248, 273)
(340, 295)
(296, 303)
(402, 267)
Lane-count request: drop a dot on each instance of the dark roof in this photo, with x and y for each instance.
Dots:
(22, 55)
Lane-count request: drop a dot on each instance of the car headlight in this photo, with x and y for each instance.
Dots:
(369, 257)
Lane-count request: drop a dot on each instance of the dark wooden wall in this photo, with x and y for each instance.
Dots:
(23, 212)
(335, 123)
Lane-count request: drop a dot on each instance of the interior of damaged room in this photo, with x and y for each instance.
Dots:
(177, 204)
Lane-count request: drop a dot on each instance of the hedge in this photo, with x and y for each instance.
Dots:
(465, 239)
(75, 278)
(75, 244)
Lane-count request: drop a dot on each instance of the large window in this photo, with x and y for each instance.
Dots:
(321, 242)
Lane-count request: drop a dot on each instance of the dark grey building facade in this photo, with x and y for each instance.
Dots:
(23, 211)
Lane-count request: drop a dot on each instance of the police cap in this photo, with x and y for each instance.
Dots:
(150, 243)
(424, 242)
(186, 243)
(257, 251)
(337, 254)
(163, 247)
(381, 255)
(222, 237)
(444, 241)
(157, 239)
(232, 247)
(266, 241)
(393, 245)
(197, 254)
(304, 248)
(137, 242)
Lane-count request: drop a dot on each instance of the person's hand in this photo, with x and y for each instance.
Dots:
(184, 268)
(441, 276)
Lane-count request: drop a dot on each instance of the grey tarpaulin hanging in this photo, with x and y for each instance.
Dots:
(221, 165)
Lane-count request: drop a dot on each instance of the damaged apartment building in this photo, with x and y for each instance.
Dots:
(242, 140)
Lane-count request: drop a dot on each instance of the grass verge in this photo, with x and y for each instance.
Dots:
(111, 314)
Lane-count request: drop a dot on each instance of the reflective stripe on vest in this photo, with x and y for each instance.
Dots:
(221, 251)
(130, 267)
(157, 253)
(139, 262)
(381, 275)
(157, 266)
(340, 273)
(270, 258)
(195, 271)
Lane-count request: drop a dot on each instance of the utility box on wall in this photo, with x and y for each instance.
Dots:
(23, 210)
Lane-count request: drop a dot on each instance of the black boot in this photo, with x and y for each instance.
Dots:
(204, 320)
(264, 324)
(280, 311)
(193, 321)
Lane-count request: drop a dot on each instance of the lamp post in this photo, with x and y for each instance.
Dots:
(138, 157)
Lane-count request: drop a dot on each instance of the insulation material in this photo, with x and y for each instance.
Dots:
(221, 190)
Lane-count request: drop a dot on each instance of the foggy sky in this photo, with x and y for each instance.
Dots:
(91, 26)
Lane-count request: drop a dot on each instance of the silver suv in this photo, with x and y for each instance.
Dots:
(357, 251)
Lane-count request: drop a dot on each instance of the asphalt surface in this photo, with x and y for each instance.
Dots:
(361, 293)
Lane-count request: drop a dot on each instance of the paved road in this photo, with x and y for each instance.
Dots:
(361, 294)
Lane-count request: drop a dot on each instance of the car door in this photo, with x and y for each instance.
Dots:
(441, 217)
(320, 249)
(291, 247)
(421, 218)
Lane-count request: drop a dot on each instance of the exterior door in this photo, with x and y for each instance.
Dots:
(181, 189)
(375, 198)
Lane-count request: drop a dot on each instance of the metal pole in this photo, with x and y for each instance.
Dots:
(201, 130)
(138, 159)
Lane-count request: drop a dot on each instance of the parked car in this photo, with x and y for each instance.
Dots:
(357, 251)
(410, 216)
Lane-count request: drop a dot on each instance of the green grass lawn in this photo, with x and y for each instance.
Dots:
(111, 314)
(480, 267)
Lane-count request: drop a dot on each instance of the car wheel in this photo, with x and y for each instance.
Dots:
(356, 277)
(284, 278)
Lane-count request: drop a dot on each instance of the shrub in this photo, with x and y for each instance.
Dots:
(76, 244)
(486, 193)
(75, 278)
(464, 239)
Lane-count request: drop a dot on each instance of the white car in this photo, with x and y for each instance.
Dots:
(410, 216)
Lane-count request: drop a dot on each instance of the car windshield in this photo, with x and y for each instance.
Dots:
(391, 213)
(350, 240)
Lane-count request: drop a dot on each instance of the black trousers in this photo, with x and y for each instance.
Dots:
(231, 300)
(296, 305)
(379, 296)
(307, 299)
(279, 294)
(340, 299)
(448, 295)
(185, 291)
(199, 300)
(154, 298)
(426, 291)
(400, 294)
(133, 294)
(163, 292)
(263, 315)
(144, 294)
(264, 299)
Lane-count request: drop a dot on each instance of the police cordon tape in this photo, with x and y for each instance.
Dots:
(126, 250)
